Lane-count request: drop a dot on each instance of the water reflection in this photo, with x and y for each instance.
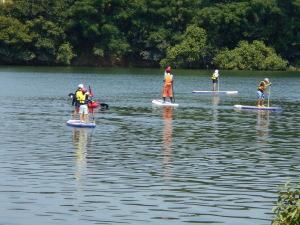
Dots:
(81, 138)
(262, 126)
(221, 166)
(215, 112)
(215, 100)
(167, 140)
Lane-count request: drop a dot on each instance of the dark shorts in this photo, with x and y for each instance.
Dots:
(215, 81)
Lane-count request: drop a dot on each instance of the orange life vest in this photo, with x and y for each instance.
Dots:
(168, 79)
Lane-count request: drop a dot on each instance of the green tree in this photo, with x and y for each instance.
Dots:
(65, 54)
(113, 43)
(52, 10)
(95, 33)
(274, 22)
(151, 26)
(47, 37)
(147, 32)
(190, 52)
(45, 23)
(250, 56)
(287, 210)
(288, 35)
(225, 23)
(15, 40)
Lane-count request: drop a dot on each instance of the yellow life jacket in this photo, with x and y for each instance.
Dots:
(214, 76)
(168, 79)
(81, 97)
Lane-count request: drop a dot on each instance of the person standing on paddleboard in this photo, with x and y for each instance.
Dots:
(215, 79)
(168, 85)
(261, 92)
(75, 103)
(82, 97)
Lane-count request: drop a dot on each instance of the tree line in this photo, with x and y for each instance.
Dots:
(225, 34)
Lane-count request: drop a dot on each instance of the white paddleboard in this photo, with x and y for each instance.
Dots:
(216, 92)
(161, 103)
(78, 123)
(249, 107)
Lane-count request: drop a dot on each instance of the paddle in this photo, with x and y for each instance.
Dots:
(218, 83)
(92, 95)
(173, 93)
(90, 90)
(269, 96)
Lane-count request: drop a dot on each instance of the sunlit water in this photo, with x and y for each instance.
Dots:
(202, 162)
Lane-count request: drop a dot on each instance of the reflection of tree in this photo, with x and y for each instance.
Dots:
(80, 140)
(167, 138)
(262, 123)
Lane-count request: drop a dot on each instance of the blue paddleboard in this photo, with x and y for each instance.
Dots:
(78, 123)
(249, 107)
(216, 92)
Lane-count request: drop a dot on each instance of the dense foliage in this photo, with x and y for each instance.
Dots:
(183, 33)
(255, 56)
(287, 211)
(190, 52)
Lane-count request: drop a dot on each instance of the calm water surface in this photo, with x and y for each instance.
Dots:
(202, 162)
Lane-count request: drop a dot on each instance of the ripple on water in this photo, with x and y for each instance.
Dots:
(202, 162)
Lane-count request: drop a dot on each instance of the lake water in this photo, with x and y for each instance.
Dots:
(202, 162)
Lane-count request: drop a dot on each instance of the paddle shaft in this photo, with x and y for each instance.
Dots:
(92, 95)
(269, 94)
(173, 92)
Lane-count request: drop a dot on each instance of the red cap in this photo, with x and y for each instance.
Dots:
(168, 69)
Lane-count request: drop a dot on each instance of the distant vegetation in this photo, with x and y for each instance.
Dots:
(287, 211)
(224, 34)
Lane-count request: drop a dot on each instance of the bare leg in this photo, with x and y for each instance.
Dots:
(86, 118)
(74, 114)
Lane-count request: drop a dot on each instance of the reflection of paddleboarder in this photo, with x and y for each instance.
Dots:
(168, 85)
(167, 137)
(263, 124)
(80, 140)
(215, 100)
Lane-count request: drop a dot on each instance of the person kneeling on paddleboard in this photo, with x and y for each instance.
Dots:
(215, 78)
(261, 92)
(82, 97)
(168, 85)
